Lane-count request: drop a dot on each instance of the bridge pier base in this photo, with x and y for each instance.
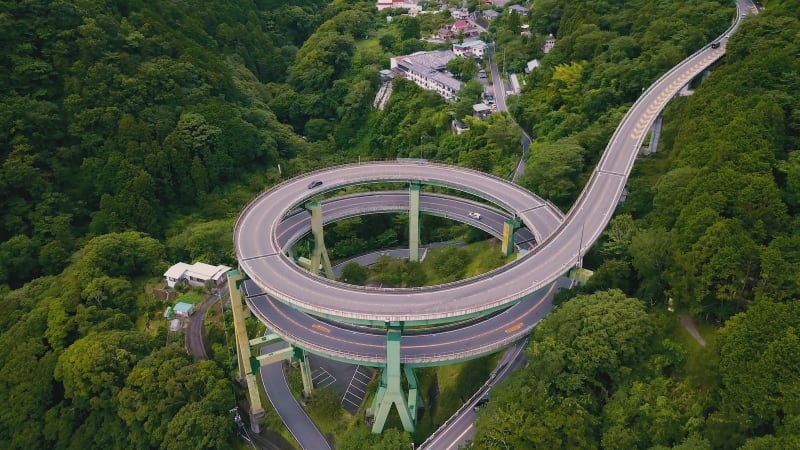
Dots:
(247, 364)
(390, 390)
(305, 370)
(413, 221)
(509, 227)
(320, 252)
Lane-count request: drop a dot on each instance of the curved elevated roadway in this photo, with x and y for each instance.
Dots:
(369, 348)
(261, 256)
(263, 259)
(298, 224)
(353, 345)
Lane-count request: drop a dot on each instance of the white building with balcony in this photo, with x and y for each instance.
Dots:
(473, 49)
(429, 71)
(196, 274)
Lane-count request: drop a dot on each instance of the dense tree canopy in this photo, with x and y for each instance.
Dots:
(131, 133)
(709, 228)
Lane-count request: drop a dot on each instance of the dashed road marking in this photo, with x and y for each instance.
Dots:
(514, 328)
(321, 328)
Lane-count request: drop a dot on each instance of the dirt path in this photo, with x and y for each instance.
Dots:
(688, 323)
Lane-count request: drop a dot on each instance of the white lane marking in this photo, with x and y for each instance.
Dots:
(459, 437)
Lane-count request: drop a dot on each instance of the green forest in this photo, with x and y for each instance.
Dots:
(133, 132)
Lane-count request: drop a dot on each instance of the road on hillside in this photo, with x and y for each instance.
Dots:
(497, 82)
(195, 344)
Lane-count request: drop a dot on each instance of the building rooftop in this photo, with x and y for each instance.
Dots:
(471, 44)
(433, 60)
(532, 64)
(198, 270)
(446, 80)
(183, 308)
(177, 270)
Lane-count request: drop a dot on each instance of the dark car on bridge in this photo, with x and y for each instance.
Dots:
(483, 400)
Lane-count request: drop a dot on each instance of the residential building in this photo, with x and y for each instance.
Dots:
(459, 29)
(474, 49)
(412, 6)
(549, 43)
(459, 127)
(481, 110)
(491, 14)
(519, 9)
(428, 70)
(182, 309)
(459, 13)
(497, 3)
(531, 65)
(196, 274)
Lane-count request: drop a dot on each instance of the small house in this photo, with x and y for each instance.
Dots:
(481, 110)
(475, 49)
(459, 13)
(491, 14)
(459, 127)
(182, 309)
(549, 43)
(197, 274)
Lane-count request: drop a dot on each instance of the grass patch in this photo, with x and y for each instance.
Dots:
(192, 297)
(441, 265)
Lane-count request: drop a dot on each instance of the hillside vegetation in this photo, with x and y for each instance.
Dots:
(132, 132)
(710, 229)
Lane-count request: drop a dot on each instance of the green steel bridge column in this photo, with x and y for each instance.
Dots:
(320, 252)
(390, 391)
(413, 221)
(509, 227)
(305, 370)
(248, 365)
(414, 399)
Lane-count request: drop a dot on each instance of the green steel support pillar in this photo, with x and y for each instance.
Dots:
(509, 227)
(414, 399)
(320, 252)
(248, 365)
(413, 221)
(390, 391)
(305, 370)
